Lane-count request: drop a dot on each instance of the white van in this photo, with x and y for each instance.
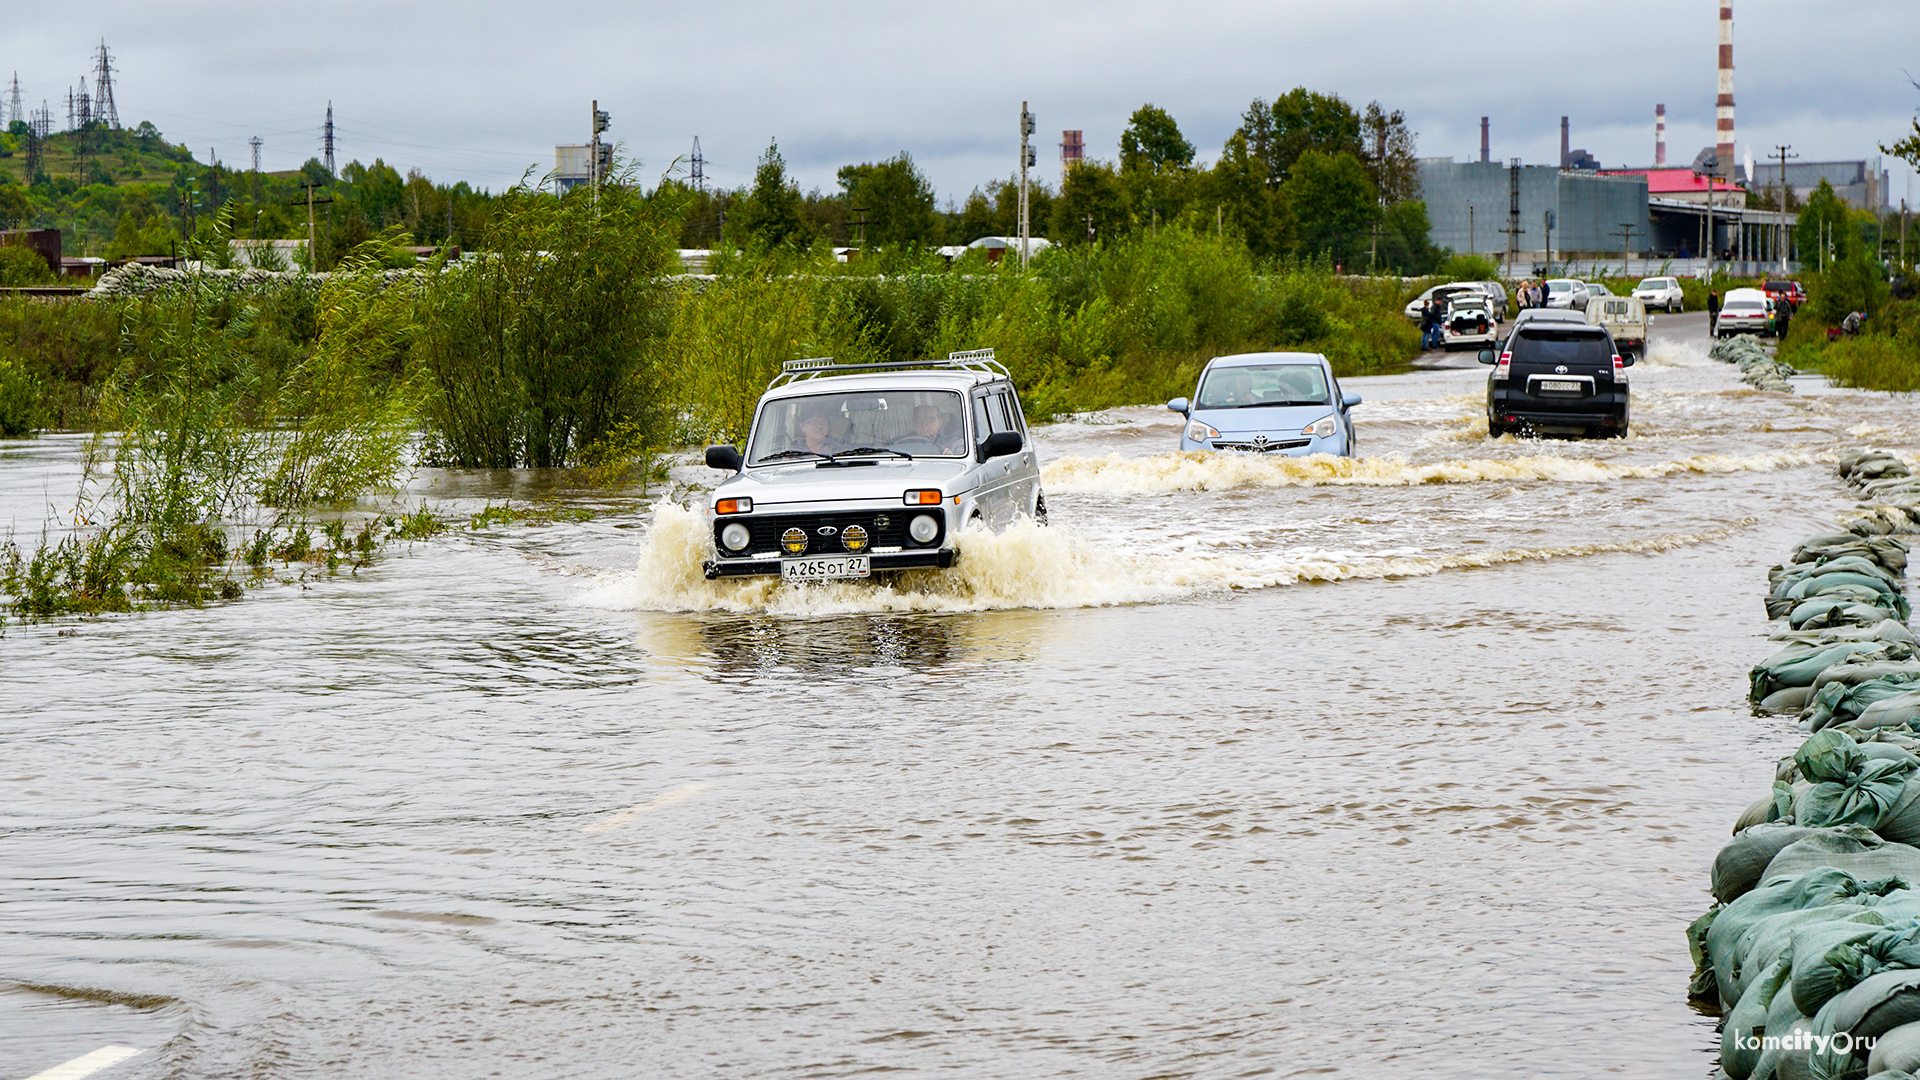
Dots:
(1624, 318)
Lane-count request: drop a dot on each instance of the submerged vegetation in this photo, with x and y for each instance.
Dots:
(230, 411)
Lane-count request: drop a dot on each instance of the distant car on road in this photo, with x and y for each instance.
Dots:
(1624, 319)
(1468, 322)
(1789, 291)
(1744, 311)
(1438, 292)
(1285, 403)
(1597, 288)
(1567, 293)
(1539, 314)
(1661, 292)
(1554, 377)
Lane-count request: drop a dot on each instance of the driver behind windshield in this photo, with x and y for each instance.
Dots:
(929, 423)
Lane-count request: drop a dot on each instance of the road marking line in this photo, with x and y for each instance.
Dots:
(621, 817)
(88, 1064)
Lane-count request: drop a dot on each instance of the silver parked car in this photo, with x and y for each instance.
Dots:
(1567, 293)
(853, 469)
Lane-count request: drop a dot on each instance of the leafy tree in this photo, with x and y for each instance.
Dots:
(1153, 141)
(770, 215)
(975, 220)
(898, 200)
(1405, 244)
(1824, 222)
(15, 208)
(1242, 188)
(1092, 205)
(1006, 203)
(1299, 121)
(1335, 204)
(1390, 154)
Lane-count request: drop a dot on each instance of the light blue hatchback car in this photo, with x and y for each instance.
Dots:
(1268, 403)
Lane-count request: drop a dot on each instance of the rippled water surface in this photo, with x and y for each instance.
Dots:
(1411, 765)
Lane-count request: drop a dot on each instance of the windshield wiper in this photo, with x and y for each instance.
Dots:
(863, 451)
(785, 454)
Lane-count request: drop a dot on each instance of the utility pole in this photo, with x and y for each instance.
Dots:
(1026, 162)
(1513, 214)
(312, 254)
(1470, 236)
(1548, 218)
(1626, 247)
(1780, 223)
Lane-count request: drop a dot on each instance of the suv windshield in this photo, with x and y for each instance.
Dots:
(1542, 345)
(1652, 283)
(913, 423)
(1263, 384)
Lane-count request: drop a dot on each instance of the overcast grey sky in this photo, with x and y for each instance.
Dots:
(480, 91)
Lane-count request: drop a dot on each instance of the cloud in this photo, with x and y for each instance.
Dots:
(481, 92)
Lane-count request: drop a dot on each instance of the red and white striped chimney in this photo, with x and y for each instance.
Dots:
(1723, 105)
(1659, 136)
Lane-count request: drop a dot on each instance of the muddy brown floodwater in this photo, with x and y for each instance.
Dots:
(1411, 765)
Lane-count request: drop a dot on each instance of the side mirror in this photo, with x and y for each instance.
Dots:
(1626, 359)
(1000, 444)
(1349, 400)
(1178, 405)
(1486, 356)
(726, 458)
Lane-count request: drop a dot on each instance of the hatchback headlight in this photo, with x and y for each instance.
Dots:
(735, 536)
(923, 528)
(1199, 432)
(1321, 428)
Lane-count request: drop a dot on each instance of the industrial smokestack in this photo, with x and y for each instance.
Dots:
(1483, 140)
(1723, 106)
(1566, 148)
(1659, 136)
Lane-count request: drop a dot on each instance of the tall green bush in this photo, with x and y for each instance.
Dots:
(540, 347)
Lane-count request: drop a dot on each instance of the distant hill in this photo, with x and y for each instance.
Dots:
(127, 155)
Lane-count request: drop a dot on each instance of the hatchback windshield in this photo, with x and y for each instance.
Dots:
(1555, 288)
(1652, 283)
(1263, 384)
(913, 423)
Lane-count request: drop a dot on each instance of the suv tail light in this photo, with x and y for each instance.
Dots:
(1619, 369)
(1504, 368)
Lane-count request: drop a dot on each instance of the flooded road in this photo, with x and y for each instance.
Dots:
(1412, 765)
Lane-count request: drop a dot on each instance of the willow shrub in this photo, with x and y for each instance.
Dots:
(544, 343)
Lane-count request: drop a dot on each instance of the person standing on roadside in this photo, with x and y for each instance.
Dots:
(1429, 324)
(1713, 313)
(1783, 318)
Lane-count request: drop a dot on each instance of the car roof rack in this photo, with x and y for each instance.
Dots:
(980, 360)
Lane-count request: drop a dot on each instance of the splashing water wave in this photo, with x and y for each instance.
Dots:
(1198, 470)
(1034, 566)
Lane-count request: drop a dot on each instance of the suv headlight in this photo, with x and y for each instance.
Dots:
(735, 536)
(923, 528)
(1199, 432)
(1320, 429)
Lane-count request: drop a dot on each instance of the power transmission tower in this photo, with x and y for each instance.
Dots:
(104, 109)
(326, 141)
(697, 176)
(35, 167)
(1026, 161)
(596, 168)
(17, 112)
(70, 124)
(255, 143)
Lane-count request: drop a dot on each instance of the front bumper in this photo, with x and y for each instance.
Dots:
(904, 560)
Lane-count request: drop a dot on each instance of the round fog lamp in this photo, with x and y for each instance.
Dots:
(735, 536)
(923, 528)
(794, 541)
(853, 538)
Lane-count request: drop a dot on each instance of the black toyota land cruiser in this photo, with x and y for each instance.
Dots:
(1557, 378)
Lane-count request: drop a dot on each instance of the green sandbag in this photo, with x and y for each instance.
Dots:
(1867, 1010)
(1901, 822)
(1788, 1059)
(1853, 848)
(1859, 669)
(1791, 699)
(1836, 703)
(1737, 869)
(1714, 938)
(1825, 612)
(1824, 961)
(1898, 1049)
(1800, 666)
(1737, 1056)
(1894, 711)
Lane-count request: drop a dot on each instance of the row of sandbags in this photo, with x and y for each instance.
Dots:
(1758, 368)
(1882, 478)
(1812, 949)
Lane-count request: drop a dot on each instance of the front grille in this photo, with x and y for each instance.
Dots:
(885, 529)
(1263, 447)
